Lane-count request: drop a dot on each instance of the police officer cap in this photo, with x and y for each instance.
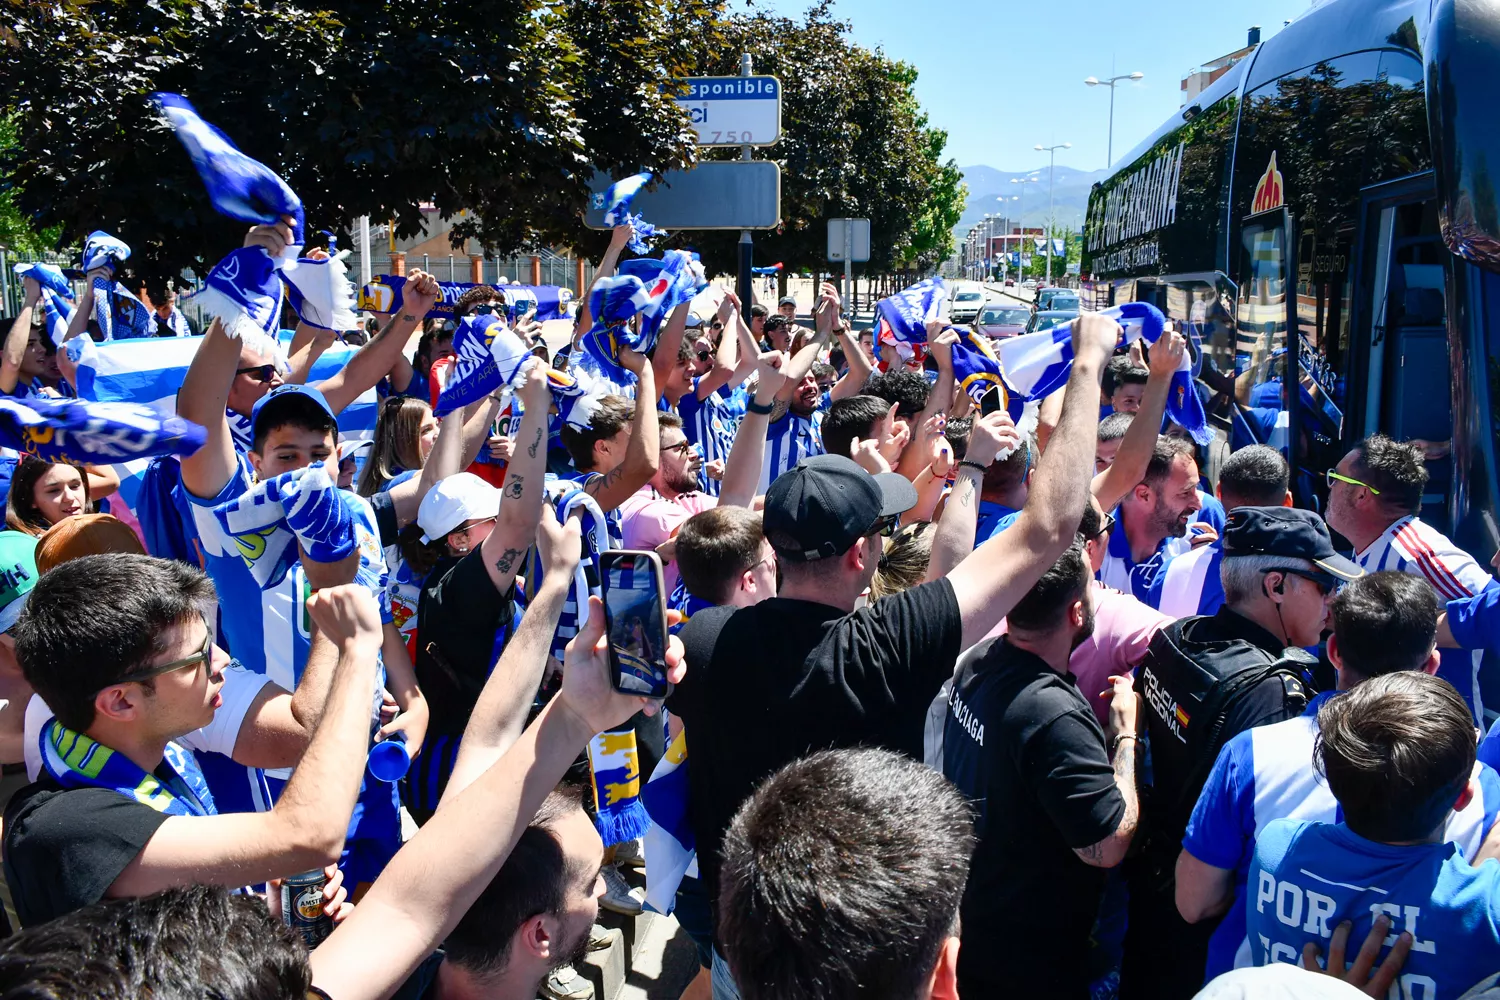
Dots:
(1285, 531)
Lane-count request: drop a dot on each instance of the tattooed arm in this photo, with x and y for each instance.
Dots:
(1124, 717)
(521, 496)
(955, 535)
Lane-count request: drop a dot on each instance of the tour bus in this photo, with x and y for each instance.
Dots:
(1334, 184)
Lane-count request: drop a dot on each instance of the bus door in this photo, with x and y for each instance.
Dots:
(1261, 414)
(1401, 324)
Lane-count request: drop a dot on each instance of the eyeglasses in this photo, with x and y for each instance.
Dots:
(1325, 582)
(682, 448)
(202, 656)
(1339, 477)
(488, 308)
(716, 325)
(259, 373)
(885, 526)
(1106, 527)
(705, 356)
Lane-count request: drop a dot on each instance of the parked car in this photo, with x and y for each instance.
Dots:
(1029, 284)
(1057, 298)
(997, 321)
(1010, 282)
(968, 299)
(1046, 319)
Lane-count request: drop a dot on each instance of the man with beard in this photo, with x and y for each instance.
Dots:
(1056, 803)
(655, 512)
(532, 918)
(1152, 517)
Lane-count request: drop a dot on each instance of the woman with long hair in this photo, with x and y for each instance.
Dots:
(404, 433)
(43, 493)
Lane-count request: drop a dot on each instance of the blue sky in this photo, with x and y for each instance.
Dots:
(1002, 77)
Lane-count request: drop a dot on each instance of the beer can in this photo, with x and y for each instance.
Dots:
(302, 906)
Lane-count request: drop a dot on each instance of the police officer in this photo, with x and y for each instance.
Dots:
(1203, 680)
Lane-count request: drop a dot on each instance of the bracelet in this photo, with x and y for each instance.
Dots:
(754, 407)
(1114, 744)
(973, 465)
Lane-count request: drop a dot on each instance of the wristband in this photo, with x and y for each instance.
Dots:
(1114, 744)
(754, 407)
(973, 465)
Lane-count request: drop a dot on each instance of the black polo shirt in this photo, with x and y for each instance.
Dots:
(1023, 745)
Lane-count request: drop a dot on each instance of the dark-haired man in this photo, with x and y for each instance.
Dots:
(1056, 803)
(120, 648)
(619, 451)
(1154, 518)
(724, 559)
(1111, 432)
(1374, 495)
(1398, 754)
(813, 907)
(828, 675)
(865, 418)
(1188, 583)
(1382, 623)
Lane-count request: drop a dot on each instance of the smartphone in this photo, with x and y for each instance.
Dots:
(991, 401)
(635, 617)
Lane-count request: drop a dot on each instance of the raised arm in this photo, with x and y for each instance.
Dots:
(521, 504)
(372, 361)
(306, 353)
(499, 715)
(954, 539)
(618, 237)
(306, 827)
(460, 436)
(940, 341)
(1129, 467)
(747, 455)
(668, 346)
(643, 451)
(17, 338)
(852, 383)
(1000, 572)
(807, 355)
(437, 876)
(727, 356)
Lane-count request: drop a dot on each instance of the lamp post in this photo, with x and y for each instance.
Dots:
(1023, 181)
(1047, 227)
(1110, 83)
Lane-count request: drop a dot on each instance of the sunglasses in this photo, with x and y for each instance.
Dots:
(1339, 477)
(885, 526)
(1325, 582)
(202, 656)
(682, 448)
(258, 373)
(716, 325)
(1106, 527)
(489, 308)
(705, 356)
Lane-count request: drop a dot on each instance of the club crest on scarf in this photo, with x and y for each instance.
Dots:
(118, 314)
(76, 430)
(490, 356)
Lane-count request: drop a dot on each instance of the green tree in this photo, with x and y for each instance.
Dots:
(16, 230)
(854, 143)
(492, 111)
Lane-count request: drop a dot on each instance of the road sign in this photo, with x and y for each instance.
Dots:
(734, 110)
(727, 194)
(849, 239)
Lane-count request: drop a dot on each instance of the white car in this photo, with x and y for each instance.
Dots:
(967, 300)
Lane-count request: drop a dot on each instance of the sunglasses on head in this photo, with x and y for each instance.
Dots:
(1106, 527)
(258, 373)
(705, 356)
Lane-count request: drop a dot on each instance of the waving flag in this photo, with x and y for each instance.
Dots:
(320, 291)
(488, 356)
(384, 295)
(617, 201)
(49, 277)
(76, 430)
(669, 843)
(907, 313)
(1037, 364)
(239, 186)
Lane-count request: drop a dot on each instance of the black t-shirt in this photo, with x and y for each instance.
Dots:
(773, 683)
(65, 848)
(385, 518)
(1021, 742)
(459, 612)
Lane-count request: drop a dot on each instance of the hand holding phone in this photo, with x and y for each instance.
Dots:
(635, 622)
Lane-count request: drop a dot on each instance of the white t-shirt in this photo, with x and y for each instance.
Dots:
(241, 687)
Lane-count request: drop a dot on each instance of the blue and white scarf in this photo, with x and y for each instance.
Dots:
(78, 430)
(1038, 364)
(489, 356)
(308, 503)
(118, 314)
(647, 288)
(49, 277)
(674, 279)
(57, 314)
(75, 761)
(617, 199)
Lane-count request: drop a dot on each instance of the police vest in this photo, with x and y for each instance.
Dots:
(1189, 687)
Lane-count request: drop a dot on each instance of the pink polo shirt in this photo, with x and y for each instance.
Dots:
(647, 519)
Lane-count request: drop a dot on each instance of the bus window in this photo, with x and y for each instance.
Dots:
(1260, 334)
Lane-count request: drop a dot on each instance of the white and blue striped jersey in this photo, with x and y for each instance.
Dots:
(1267, 773)
(788, 441)
(1189, 583)
(1409, 546)
(709, 424)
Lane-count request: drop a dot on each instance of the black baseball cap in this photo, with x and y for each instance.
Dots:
(827, 503)
(1289, 532)
(787, 300)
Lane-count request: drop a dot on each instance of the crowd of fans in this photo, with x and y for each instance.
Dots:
(963, 711)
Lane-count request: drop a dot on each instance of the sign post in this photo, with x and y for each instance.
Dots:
(849, 241)
(746, 246)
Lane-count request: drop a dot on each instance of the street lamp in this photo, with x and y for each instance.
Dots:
(1047, 229)
(1023, 181)
(1110, 83)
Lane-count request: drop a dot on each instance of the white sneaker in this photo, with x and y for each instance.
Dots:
(619, 896)
(601, 937)
(632, 853)
(566, 984)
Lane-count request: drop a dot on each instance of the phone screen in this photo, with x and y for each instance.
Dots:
(635, 612)
(990, 402)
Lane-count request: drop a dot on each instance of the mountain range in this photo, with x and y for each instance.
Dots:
(991, 192)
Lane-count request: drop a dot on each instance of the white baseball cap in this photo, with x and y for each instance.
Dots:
(459, 498)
